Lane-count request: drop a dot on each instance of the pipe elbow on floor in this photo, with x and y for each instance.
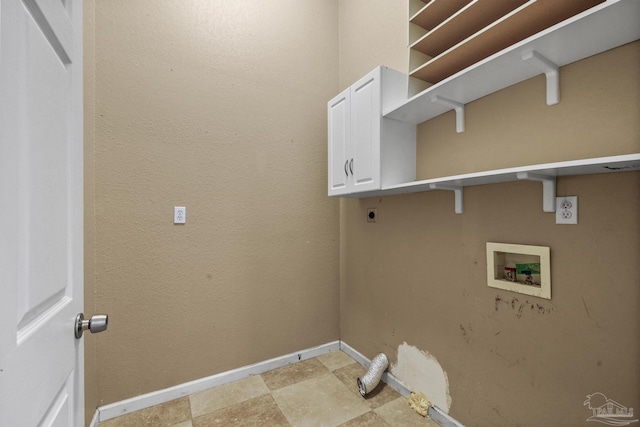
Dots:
(371, 378)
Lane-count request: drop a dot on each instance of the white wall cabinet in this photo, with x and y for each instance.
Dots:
(368, 151)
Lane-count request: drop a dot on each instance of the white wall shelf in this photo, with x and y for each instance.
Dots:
(605, 26)
(546, 173)
(626, 162)
(600, 28)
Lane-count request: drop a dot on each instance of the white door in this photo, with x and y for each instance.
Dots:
(338, 113)
(366, 112)
(41, 241)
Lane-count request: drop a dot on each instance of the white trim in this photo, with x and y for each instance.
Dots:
(137, 403)
(387, 377)
(123, 407)
(95, 420)
(442, 418)
(161, 396)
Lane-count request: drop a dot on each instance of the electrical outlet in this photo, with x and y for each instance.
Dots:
(372, 215)
(179, 215)
(567, 210)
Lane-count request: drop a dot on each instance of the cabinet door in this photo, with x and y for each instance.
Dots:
(364, 163)
(338, 113)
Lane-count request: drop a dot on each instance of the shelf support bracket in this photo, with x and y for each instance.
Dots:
(550, 70)
(454, 105)
(548, 189)
(457, 192)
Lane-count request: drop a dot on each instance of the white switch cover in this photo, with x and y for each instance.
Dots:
(179, 215)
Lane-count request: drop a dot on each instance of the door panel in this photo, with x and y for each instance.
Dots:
(60, 413)
(339, 117)
(43, 177)
(54, 19)
(365, 132)
(41, 217)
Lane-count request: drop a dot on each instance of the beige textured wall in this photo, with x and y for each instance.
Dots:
(218, 106)
(372, 34)
(419, 275)
(211, 105)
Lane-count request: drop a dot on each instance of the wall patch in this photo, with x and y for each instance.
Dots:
(422, 373)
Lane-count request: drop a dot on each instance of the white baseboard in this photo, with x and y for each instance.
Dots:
(181, 390)
(161, 396)
(94, 420)
(442, 418)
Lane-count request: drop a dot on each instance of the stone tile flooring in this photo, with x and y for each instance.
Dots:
(316, 392)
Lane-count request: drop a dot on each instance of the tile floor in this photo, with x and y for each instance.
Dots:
(317, 392)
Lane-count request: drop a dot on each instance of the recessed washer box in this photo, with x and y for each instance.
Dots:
(519, 268)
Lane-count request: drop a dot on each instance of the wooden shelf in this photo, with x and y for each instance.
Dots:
(525, 21)
(436, 11)
(470, 19)
(600, 28)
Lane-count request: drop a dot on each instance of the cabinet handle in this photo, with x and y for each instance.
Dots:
(351, 166)
(345, 168)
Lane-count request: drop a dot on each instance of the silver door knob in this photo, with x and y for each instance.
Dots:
(97, 323)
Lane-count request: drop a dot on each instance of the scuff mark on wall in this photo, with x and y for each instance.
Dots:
(422, 373)
(466, 333)
(585, 308)
(520, 307)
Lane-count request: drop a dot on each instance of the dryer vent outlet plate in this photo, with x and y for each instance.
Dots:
(372, 215)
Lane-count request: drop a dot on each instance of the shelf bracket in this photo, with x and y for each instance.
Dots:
(550, 70)
(457, 191)
(454, 105)
(548, 189)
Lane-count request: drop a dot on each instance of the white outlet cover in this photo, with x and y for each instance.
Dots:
(567, 210)
(179, 215)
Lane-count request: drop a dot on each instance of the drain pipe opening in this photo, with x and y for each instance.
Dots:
(370, 380)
